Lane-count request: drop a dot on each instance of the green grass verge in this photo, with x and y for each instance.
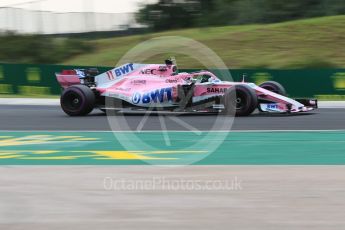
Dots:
(309, 43)
(138, 148)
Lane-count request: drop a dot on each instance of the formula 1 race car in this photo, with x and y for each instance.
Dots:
(161, 87)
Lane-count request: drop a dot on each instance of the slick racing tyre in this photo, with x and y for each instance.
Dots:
(240, 100)
(274, 87)
(77, 100)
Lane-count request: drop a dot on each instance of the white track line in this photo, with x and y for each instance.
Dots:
(29, 101)
(331, 104)
(175, 131)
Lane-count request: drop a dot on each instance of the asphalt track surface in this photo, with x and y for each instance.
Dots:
(264, 197)
(75, 197)
(15, 117)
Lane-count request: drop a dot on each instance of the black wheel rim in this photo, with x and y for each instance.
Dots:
(241, 101)
(72, 101)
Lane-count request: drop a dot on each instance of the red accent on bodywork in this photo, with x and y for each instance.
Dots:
(68, 72)
(110, 75)
(67, 80)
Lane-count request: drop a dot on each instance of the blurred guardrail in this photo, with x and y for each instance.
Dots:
(32, 80)
(39, 80)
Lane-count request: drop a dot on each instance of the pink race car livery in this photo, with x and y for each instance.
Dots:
(161, 87)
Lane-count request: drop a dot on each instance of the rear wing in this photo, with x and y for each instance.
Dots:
(67, 78)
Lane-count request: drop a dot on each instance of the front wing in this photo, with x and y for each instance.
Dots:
(307, 105)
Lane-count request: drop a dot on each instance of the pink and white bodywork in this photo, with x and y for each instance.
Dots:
(159, 86)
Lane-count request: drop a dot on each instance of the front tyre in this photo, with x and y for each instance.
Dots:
(274, 87)
(77, 100)
(240, 100)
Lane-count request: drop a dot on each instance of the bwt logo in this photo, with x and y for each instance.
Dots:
(123, 69)
(158, 95)
(272, 106)
(136, 98)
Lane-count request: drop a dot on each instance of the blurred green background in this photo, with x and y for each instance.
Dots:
(244, 33)
(298, 43)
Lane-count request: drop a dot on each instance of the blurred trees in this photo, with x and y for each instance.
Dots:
(171, 14)
(168, 14)
(39, 49)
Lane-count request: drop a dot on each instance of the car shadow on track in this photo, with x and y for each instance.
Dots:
(282, 114)
(153, 114)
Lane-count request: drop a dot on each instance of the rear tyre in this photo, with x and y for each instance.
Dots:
(77, 100)
(240, 100)
(274, 87)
